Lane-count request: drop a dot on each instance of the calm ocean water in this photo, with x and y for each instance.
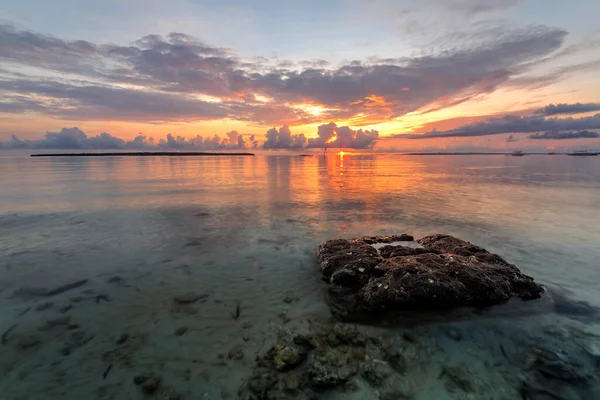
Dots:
(243, 230)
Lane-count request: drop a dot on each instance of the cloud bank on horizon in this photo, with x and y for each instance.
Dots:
(75, 138)
(515, 124)
(329, 135)
(565, 135)
(577, 108)
(430, 63)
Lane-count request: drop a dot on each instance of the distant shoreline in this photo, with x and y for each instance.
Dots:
(140, 154)
(477, 154)
(235, 154)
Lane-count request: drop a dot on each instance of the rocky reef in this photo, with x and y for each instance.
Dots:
(328, 359)
(331, 356)
(388, 276)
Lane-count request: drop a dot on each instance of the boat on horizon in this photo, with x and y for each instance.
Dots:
(583, 153)
(518, 153)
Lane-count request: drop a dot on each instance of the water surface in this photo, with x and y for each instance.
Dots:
(243, 230)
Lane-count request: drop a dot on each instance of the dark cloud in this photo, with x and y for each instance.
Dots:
(565, 135)
(471, 7)
(17, 104)
(458, 8)
(268, 113)
(482, 6)
(169, 78)
(314, 64)
(556, 75)
(563, 108)
(103, 102)
(514, 123)
(68, 138)
(74, 138)
(45, 51)
(512, 139)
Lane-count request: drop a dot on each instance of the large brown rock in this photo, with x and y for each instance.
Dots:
(374, 277)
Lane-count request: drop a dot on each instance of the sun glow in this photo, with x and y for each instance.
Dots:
(262, 99)
(332, 139)
(208, 99)
(312, 109)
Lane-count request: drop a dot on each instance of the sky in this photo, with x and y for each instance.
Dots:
(405, 75)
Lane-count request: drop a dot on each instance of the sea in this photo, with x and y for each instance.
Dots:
(98, 254)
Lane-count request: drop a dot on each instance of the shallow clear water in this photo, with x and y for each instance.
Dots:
(243, 230)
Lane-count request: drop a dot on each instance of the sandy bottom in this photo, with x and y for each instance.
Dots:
(174, 298)
(92, 340)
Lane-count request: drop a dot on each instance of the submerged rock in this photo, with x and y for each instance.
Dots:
(348, 334)
(269, 383)
(236, 353)
(75, 340)
(454, 334)
(286, 357)
(324, 375)
(261, 381)
(123, 338)
(397, 361)
(181, 331)
(434, 273)
(304, 339)
(550, 374)
(290, 299)
(321, 357)
(375, 372)
(556, 366)
(148, 381)
(458, 377)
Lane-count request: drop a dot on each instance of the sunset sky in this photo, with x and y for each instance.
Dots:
(380, 74)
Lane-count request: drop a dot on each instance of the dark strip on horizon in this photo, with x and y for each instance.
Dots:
(140, 154)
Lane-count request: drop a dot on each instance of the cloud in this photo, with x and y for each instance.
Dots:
(283, 139)
(404, 85)
(565, 135)
(45, 51)
(68, 138)
(563, 108)
(93, 102)
(413, 15)
(180, 78)
(478, 6)
(554, 76)
(512, 139)
(512, 124)
(343, 137)
(470, 7)
(75, 138)
(328, 135)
